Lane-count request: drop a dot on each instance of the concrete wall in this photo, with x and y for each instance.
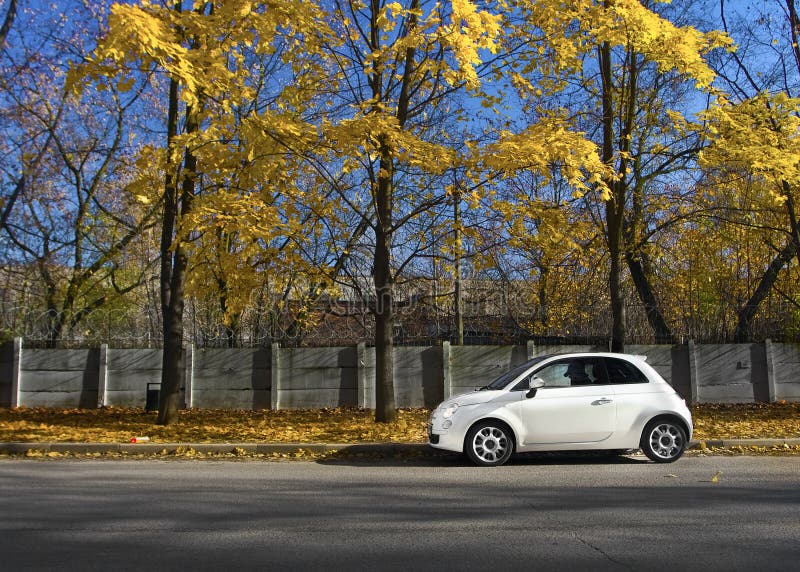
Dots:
(731, 373)
(316, 377)
(128, 373)
(302, 378)
(671, 362)
(785, 365)
(59, 378)
(475, 366)
(230, 379)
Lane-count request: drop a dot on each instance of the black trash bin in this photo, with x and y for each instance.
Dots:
(153, 392)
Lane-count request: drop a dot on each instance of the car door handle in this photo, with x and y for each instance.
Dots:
(602, 401)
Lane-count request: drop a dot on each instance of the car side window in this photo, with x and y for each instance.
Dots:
(553, 375)
(573, 372)
(623, 372)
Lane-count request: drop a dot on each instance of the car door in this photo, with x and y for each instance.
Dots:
(576, 408)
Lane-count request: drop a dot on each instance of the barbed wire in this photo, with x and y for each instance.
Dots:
(348, 323)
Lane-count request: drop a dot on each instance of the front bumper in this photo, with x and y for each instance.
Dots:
(450, 439)
(433, 438)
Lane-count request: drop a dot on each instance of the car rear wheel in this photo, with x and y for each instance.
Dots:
(489, 444)
(663, 440)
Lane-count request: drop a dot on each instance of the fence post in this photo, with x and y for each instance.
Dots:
(361, 375)
(102, 378)
(16, 373)
(447, 380)
(531, 349)
(692, 372)
(188, 398)
(771, 393)
(274, 386)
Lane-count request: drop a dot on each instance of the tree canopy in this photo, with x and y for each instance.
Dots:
(361, 170)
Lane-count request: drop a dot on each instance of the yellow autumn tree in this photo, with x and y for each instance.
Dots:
(601, 46)
(391, 79)
(225, 170)
(753, 153)
(549, 257)
(757, 143)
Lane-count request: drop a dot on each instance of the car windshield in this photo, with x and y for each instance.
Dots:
(512, 374)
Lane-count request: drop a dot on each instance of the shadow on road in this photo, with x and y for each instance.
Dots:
(366, 455)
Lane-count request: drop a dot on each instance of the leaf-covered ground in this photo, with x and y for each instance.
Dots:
(115, 425)
(746, 421)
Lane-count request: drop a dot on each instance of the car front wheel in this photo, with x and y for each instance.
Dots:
(489, 444)
(663, 441)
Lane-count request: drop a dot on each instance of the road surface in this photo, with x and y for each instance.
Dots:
(539, 513)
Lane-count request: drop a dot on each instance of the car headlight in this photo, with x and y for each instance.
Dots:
(450, 410)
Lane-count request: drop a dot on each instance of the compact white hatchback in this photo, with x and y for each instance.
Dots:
(568, 402)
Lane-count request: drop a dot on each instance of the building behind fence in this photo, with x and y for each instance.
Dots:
(300, 378)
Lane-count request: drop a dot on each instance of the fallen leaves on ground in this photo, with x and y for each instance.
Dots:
(341, 425)
(777, 450)
(746, 421)
(118, 425)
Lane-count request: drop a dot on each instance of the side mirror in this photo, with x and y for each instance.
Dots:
(533, 386)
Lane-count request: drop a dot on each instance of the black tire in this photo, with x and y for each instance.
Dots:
(663, 440)
(489, 443)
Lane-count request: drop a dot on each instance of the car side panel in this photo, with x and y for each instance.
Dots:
(559, 415)
(639, 403)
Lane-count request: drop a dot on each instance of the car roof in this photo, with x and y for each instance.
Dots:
(593, 354)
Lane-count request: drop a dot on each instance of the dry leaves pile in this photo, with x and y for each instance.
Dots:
(115, 425)
(746, 421)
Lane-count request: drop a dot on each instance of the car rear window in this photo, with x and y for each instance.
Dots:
(620, 371)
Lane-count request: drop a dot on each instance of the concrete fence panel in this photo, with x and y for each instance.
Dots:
(345, 376)
(317, 377)
(671, 362)
(231, 379)
(547, 349)
(786, 371)
(59, 378)
(420, 368)
(475, 366)
(731, 373)
(129, 371)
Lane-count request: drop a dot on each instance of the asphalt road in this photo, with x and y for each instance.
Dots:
(540, 513)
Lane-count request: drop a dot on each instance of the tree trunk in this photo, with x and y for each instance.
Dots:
(744, 325)
(174, 263)
(794, 226)
(615, 277)
(385, 409)
(637, 268)
(615, 205)
(383, 273)
(459, 303)
(172, 362)
(544, 303)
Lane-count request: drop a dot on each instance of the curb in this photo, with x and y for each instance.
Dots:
(373, 449)
(725, 443)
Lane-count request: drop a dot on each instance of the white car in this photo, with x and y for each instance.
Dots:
(568, 402)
